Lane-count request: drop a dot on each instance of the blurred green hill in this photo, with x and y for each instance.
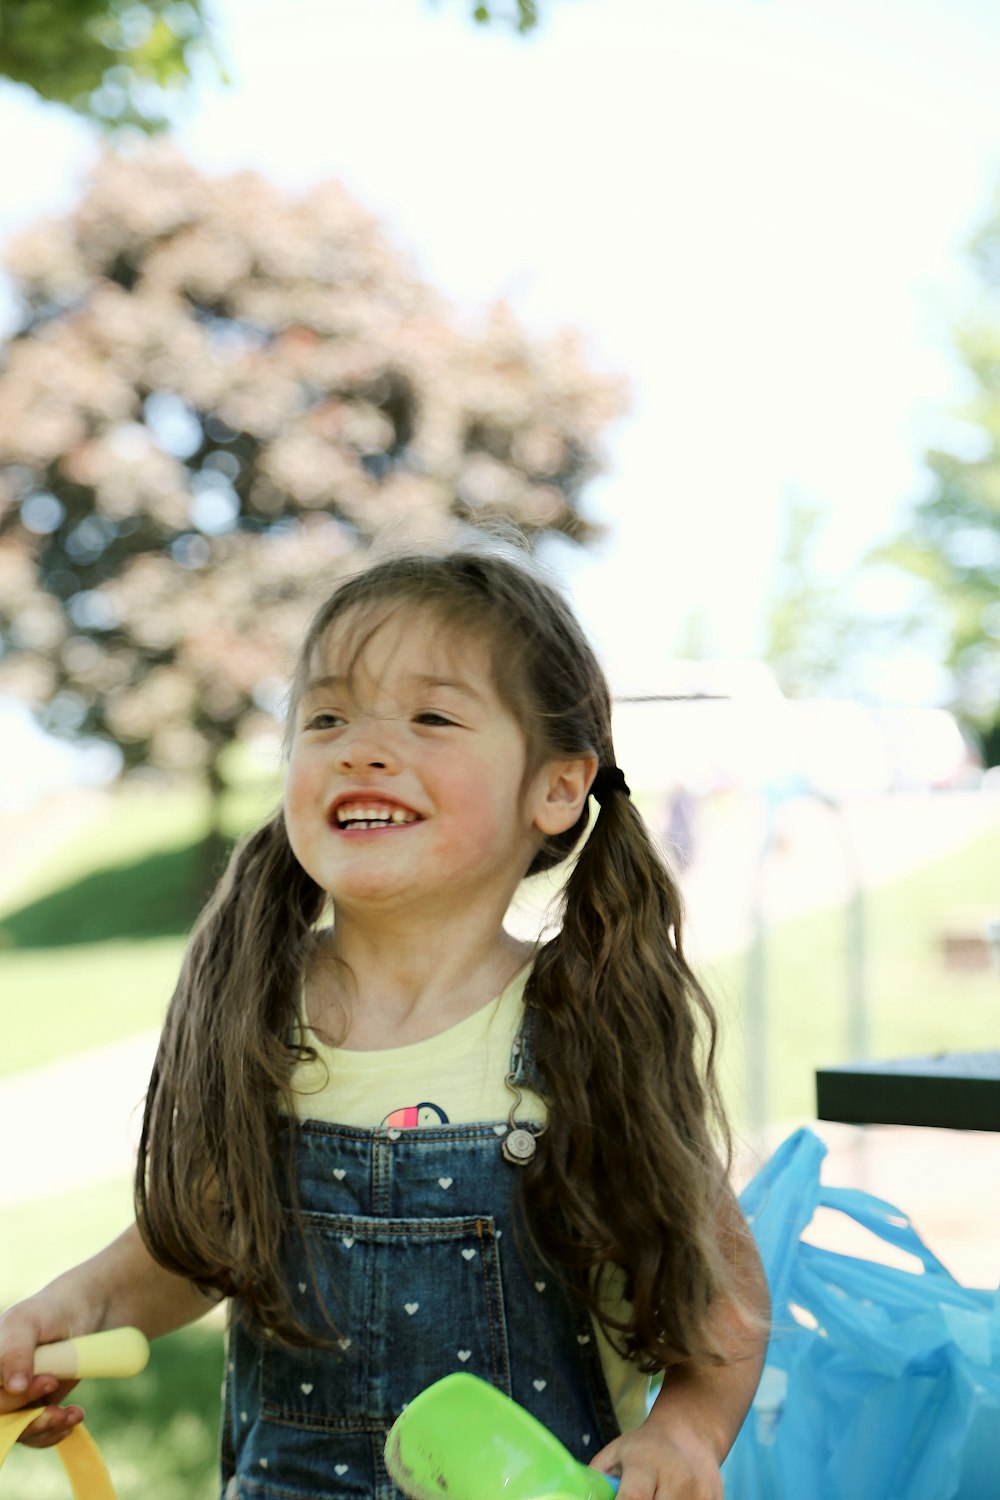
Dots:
(157, 896)
(91, 939)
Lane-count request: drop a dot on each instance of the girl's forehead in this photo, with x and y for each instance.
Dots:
(404, 638)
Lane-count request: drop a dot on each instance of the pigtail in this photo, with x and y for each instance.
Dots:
(627, 1189)
(208, 1177)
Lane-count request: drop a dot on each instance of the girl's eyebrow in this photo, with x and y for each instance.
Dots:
(420, 679)
(321, 684)
(429, 680)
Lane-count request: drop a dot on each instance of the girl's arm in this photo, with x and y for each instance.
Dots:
(678, 1450)
(122, 1284)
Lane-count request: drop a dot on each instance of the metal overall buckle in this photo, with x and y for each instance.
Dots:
(518, 1145)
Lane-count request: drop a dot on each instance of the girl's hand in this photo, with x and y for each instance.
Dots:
(657, 1462)
(37, 1320)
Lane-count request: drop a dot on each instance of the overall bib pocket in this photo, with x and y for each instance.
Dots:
(389, 1286)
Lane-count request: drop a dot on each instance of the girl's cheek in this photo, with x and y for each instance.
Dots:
(302, 777)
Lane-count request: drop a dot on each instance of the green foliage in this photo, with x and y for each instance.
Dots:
(523, 14)
(807, 627)
(120, 62)
(799, 609)
(989, 741)
(126, 63)
(952, 540)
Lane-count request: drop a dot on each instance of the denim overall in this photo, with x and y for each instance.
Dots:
(417, 1254)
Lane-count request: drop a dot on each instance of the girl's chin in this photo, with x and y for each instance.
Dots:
(372, 891)
(380, 896)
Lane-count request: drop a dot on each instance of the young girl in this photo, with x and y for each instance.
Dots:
(405, 1143)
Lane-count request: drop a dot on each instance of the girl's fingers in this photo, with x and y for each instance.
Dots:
(15, 1368)
(20, 1336)
(38, 1388)
(607, 1461)
(51, 1426)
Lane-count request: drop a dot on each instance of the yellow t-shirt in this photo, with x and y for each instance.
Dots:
(458, 1077)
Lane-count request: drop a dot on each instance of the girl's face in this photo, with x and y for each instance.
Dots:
(406, 775)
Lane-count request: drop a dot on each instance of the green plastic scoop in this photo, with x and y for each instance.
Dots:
(462, 1439)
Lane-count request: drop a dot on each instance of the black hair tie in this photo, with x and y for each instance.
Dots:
(609, 779)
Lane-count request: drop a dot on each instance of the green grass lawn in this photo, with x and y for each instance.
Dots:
(158, 1432)
(91, 945)
(914, 1004)
(66, 999)
(45, 1235)
(142, 820)
(89, 952)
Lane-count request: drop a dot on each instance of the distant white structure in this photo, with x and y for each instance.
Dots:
(706, 725)
(845, 748)
(710, 725)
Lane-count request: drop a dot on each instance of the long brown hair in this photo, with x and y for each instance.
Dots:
(630, 1177)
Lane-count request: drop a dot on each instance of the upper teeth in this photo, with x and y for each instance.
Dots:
(356, 812)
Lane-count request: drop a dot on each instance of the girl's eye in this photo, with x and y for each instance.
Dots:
(324, 720)
(432, 718)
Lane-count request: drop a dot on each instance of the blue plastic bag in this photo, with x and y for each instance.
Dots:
(880, 1383)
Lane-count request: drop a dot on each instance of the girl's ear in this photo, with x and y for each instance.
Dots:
(561, 789)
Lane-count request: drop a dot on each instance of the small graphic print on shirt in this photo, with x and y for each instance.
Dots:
(415, 1115)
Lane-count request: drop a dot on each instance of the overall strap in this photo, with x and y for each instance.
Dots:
(522, 1058)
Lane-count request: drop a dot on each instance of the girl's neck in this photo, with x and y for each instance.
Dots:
(388, 987)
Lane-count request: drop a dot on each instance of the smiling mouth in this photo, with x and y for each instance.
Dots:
(359, 815)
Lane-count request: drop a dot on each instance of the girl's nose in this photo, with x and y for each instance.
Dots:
(366, 746)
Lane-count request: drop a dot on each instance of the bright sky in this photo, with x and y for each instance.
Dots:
(756, 209)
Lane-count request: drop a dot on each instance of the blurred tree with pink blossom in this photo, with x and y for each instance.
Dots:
(217, 397)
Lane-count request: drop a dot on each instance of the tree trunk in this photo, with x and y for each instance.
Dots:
(215, 845)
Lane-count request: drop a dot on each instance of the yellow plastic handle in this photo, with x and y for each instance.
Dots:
(116, 1352)
(88, 1475)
